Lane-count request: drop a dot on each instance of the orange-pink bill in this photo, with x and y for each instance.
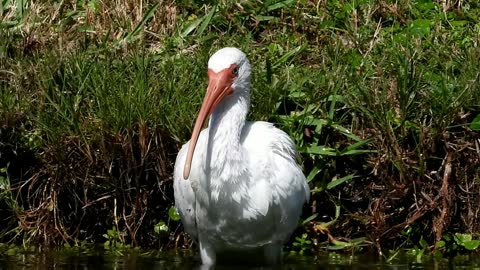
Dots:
(219, 86)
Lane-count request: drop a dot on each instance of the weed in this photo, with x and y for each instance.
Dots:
(301, 245)
(115, 240)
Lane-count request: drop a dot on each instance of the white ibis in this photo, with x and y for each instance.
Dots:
(238, 187)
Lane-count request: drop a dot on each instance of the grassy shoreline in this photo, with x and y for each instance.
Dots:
(381, 97)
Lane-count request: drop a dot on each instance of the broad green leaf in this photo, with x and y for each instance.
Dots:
(471, 245)
(440, 244)
(173, 214)
(447, 237)
(160, 227)
(421, 26)
(461, 238)
(475, 125)
(423, 243)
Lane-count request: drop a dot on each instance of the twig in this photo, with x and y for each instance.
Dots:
(97, 200)
(444, 194)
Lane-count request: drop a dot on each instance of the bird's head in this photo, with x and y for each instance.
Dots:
(229, 73)
(229, 70)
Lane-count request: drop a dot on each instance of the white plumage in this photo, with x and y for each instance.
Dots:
(244, 191)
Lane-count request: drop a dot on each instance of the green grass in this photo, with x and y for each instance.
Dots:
(378, 95)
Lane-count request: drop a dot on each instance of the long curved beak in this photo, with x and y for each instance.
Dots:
(219, 86)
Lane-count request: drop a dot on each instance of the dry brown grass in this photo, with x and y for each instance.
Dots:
(65, 25)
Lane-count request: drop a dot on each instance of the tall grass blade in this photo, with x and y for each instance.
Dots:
(206, 20)
(269, 70)
(20, 9)
(142, 23)
(262, 18)
(310, 218)
(339, 181)
(346, 132)
(280, 5)
(282, 60)
(4, 5)
(190, 27)
(314, 172)
(320, 150)
(354, 149)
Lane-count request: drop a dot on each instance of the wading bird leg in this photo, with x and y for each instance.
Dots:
(273, 253)
(207, 253)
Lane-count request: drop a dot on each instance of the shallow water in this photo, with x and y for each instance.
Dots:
(99, 259)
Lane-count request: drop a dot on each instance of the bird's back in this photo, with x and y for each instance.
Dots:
(273, 159)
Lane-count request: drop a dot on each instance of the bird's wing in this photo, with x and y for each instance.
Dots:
(273, 155)
(184, 195)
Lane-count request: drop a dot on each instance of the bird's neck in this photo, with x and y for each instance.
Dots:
(227, 121)
(225, 151)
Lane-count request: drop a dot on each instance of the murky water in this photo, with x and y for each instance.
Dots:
(75, 259)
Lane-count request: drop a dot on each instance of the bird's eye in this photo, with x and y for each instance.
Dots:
(235, 71)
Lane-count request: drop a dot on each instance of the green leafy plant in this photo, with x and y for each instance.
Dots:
(6, 195)
(319, 150)
(301, 245)
(115, 241)
(475, 124)
(418, 251)
(162, 228)
(173, 213)
(353, 244)
(457, 243)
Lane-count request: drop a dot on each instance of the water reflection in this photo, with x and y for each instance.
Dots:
(99, 259)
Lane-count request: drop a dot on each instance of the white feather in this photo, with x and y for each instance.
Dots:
(245, 191)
